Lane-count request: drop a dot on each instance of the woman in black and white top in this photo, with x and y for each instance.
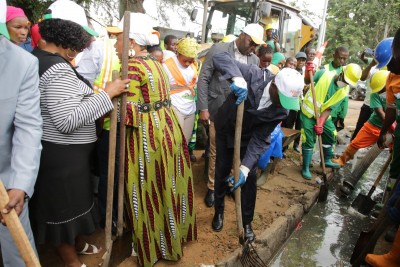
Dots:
(62, 205)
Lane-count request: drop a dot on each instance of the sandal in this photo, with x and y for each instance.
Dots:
(86, 250)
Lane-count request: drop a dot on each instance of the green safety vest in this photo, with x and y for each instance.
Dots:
(321, 89)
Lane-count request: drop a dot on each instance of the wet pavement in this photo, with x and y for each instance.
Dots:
(327, 234)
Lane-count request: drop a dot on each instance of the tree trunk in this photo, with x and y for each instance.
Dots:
(131, 5)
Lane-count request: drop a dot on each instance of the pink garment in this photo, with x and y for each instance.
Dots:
(14, 12)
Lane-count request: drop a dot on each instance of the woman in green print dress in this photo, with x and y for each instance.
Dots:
(159, 176)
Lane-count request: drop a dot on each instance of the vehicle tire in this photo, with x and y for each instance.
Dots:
(354, 94)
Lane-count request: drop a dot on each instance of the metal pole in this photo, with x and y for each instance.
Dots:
(203, 26)
(322, 30)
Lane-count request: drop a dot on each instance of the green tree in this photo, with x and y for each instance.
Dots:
(111, 10)
(360, 25)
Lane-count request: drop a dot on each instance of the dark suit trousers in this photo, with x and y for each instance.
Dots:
(223, 166)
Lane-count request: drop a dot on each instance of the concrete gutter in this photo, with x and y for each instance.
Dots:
(269, 242)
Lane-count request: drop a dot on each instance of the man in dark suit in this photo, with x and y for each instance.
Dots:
(212, 92)
(269, 99)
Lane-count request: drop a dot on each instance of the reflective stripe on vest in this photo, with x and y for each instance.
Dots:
(109, 64)
(181, 84)
(321, 89)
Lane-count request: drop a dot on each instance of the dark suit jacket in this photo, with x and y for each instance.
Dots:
(258, 124)
(212, 91)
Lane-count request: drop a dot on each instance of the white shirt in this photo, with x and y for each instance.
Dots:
(367, 99)
(239, 56)
(90, 61)
(183, 101)
(265, 98)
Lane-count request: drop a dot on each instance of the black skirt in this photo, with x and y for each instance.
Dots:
(62, 206)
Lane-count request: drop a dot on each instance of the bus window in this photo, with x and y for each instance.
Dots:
(229, 18)
(291, 34)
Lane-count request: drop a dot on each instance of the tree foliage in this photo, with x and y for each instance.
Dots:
(112, 10)
(361, 24)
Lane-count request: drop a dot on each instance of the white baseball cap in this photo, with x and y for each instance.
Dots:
(255, 31)
(69, 10)
(290, 84)
(3, 14)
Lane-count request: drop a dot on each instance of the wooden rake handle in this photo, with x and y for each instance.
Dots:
(236, 167)
(17, 232)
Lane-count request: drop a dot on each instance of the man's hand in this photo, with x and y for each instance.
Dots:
(310, 66)
(318, 129)
(319, 126)
(239, 88)
(204, 117)
(276, 38)
(381, 140)
(244, 172)
(16, 201)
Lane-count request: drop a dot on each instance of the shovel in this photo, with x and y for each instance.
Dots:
(17, 232)
(367, 239)
(324, 188)
(364, 204)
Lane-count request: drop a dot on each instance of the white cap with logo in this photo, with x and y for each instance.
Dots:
(290, 84)
(255, 31)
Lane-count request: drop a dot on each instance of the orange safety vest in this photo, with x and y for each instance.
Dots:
(180, 84)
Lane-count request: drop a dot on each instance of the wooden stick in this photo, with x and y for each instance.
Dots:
(121, 178)
(17, 231)
(236, 168)
(122, 127)
(111, 167)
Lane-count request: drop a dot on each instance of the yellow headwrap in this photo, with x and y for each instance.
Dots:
(187, 47)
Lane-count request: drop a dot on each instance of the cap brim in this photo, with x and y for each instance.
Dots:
(290, 103)
(4, 31)
(383, 64)
(257, 40)
(91, 31)
(114, 30)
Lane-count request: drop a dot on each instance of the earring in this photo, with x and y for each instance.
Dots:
(70, 58)
(131, 53)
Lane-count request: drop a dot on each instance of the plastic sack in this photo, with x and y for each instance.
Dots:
(274, 149)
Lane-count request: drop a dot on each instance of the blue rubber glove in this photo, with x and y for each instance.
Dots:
(244, 172)
(239, 88)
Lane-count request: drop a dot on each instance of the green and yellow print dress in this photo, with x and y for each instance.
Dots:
(159, 175)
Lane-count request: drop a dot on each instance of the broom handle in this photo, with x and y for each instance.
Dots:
(17, 231)
(380, 175)
(316, 115)
(122, 127)
(236, 167)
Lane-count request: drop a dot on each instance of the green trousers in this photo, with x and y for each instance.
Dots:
(308, 136)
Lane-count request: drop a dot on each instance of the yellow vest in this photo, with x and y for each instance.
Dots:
(321, 89)
(110, 63)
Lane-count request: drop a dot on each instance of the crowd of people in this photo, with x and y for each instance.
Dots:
(56, 133)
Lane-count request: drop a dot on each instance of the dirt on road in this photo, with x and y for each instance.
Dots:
(283, 189)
